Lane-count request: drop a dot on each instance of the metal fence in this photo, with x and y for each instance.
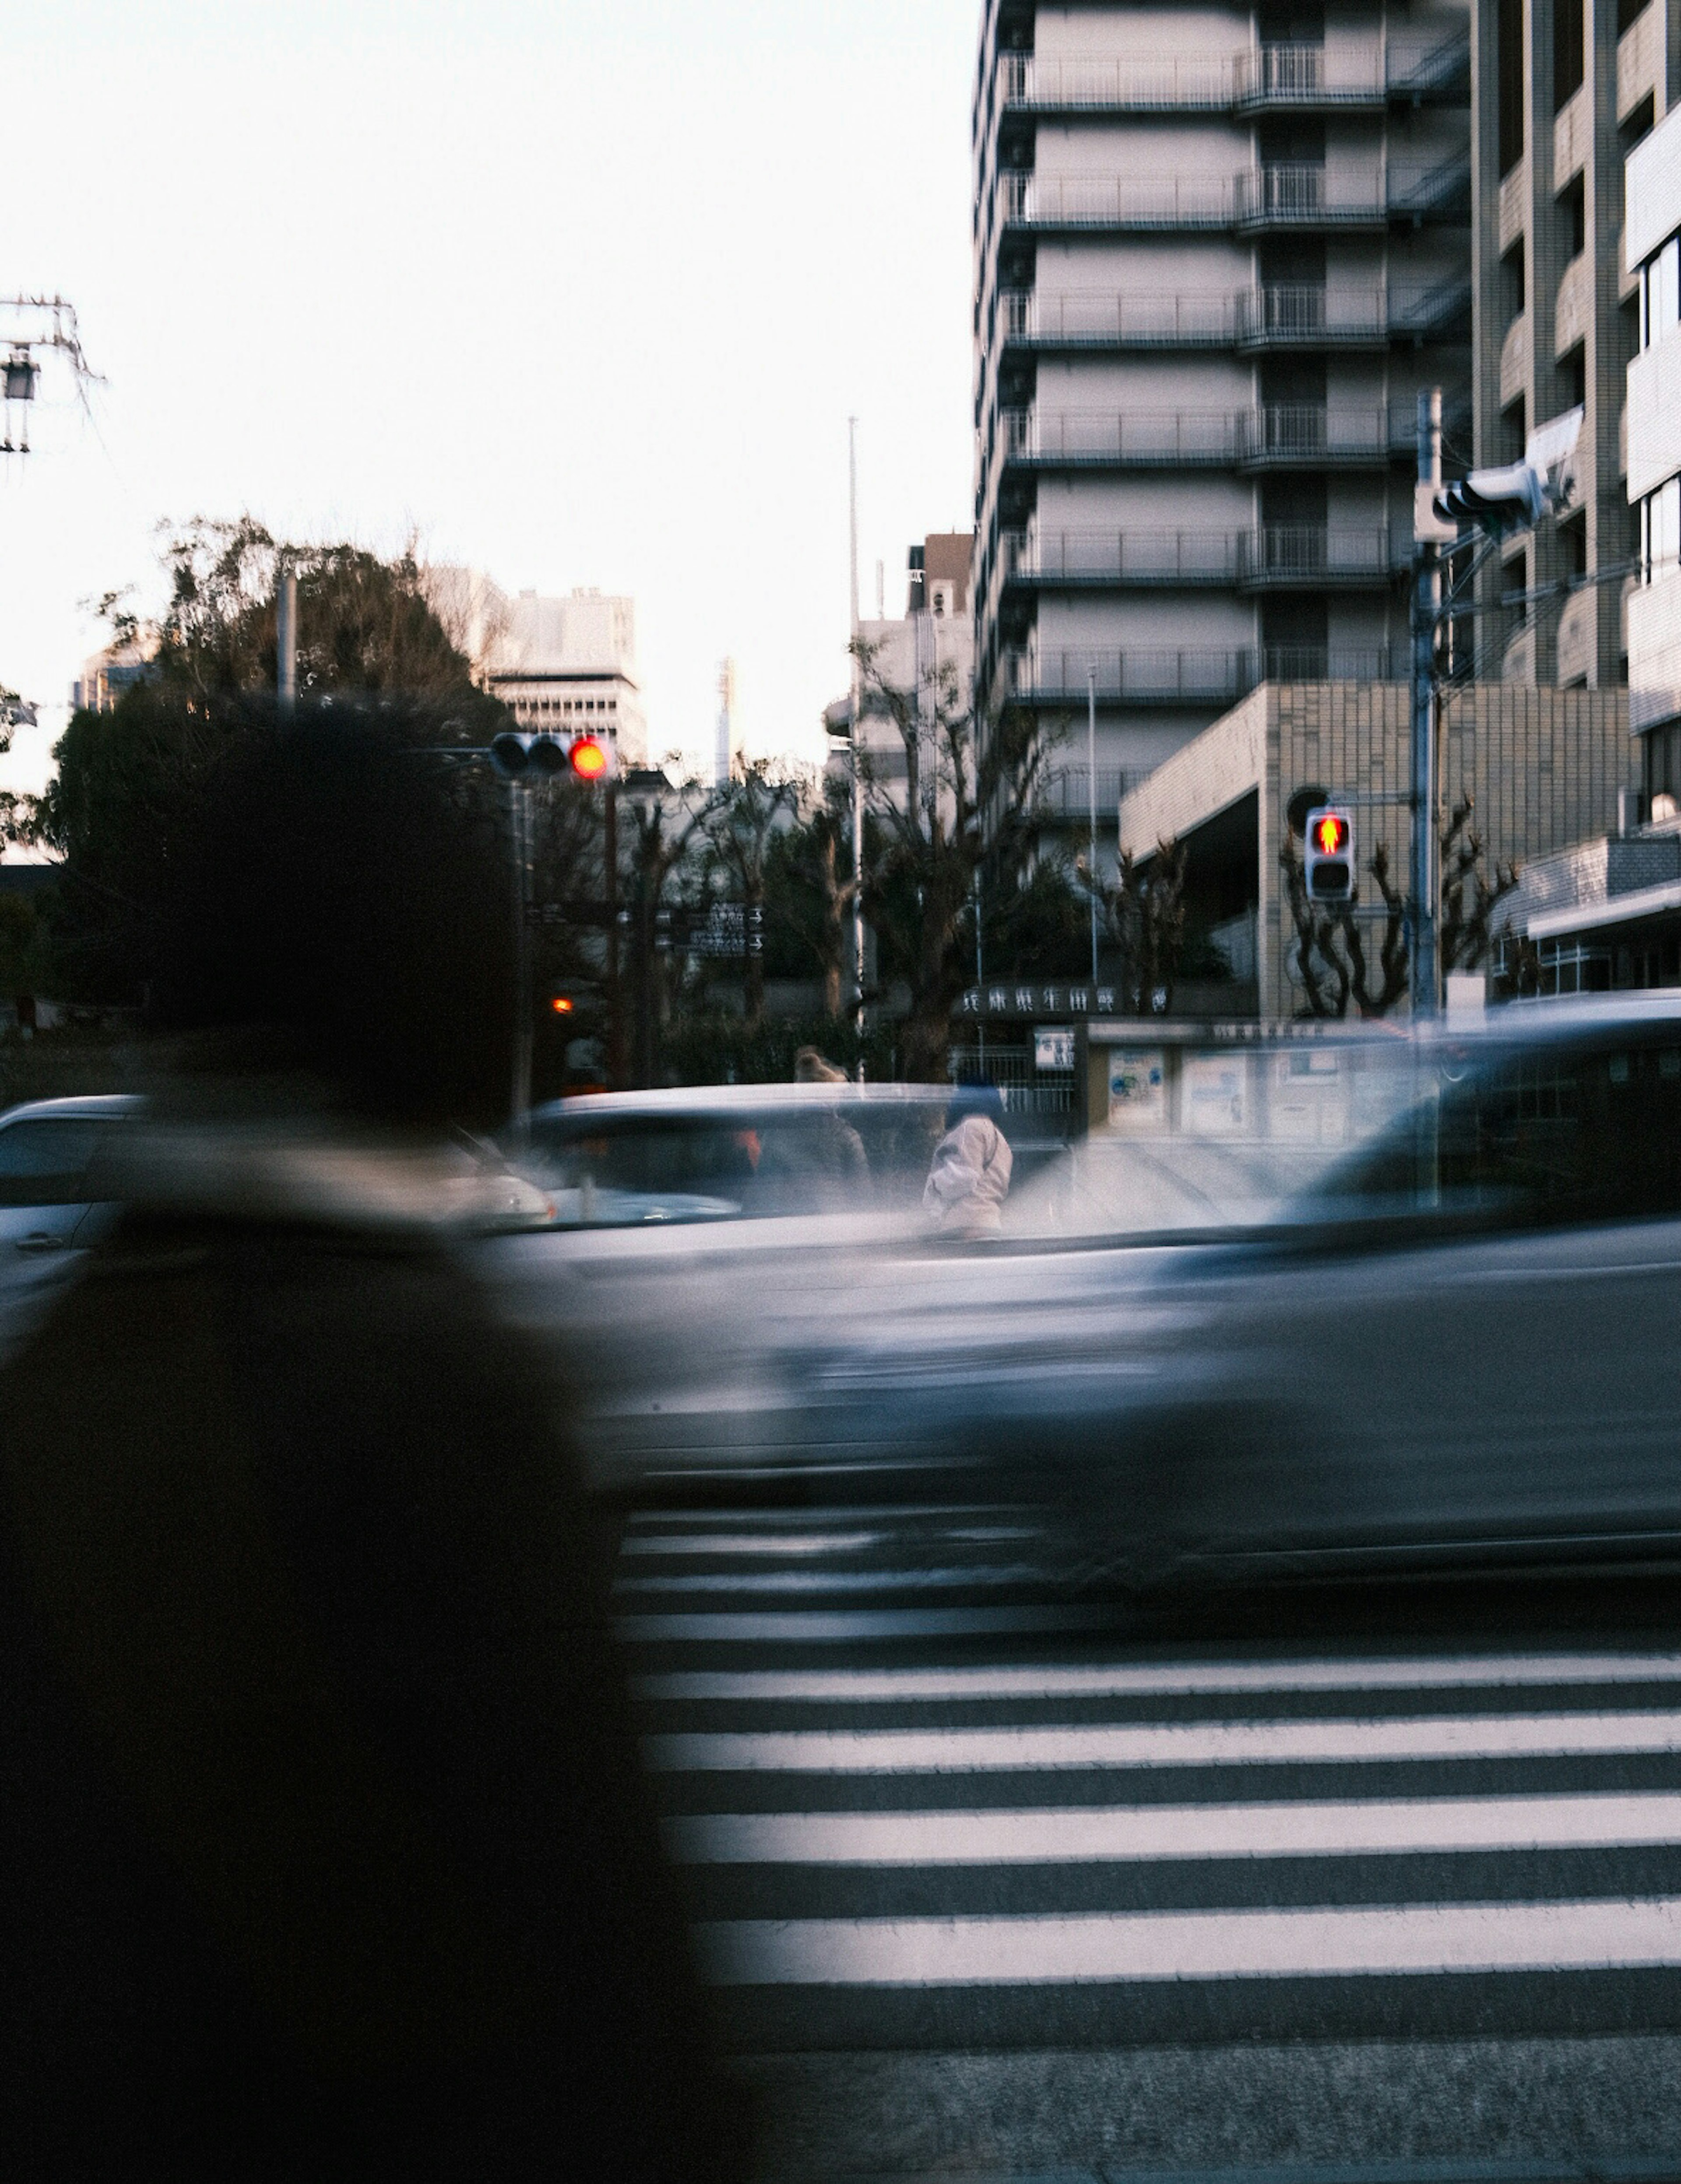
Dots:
(1024, 1090)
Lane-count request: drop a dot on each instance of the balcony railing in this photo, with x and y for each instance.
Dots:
(1293, 313)
(1279, 76)
(1213, 675)
(1142, 201)
(1124, 557)
(1082, 83)
(1316, 553)
(1066, 791)
(1285, 194)
(1303, 193)
(1282, 315)
(1219, 439)
(1278, 553)
(1138, 322)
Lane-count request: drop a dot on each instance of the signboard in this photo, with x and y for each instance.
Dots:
(1213, 1089)
(1308, 1103)
(1138, 1089)
(727, 930)
(1052, 1047)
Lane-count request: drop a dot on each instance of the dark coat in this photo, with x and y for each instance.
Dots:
(327, 1853)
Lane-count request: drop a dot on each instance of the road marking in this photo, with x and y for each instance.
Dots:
(856, 1626)
(754, 1543)
(1594, 1935)
(891, 1686)
(1124, 1834)
(1163, 1744)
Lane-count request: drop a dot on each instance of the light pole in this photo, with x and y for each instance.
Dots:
(1426, 610)
(857, 754)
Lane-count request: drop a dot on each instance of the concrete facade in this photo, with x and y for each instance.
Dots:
(1544, 767)
(930, 650)
(568, 665)
(1218, 251)
(1562, 93)
(1653, 246)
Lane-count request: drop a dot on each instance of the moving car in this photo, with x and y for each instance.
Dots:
(1458, 1342)
(48, 1148)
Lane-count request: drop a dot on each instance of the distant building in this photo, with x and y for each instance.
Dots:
(930, 650)
(568, 665)
(105, 676)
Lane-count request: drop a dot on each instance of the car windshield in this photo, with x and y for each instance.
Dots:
(44, 1161)
(845, 1158)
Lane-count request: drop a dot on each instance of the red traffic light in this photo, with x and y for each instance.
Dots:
(589, 759)
(1331, 834)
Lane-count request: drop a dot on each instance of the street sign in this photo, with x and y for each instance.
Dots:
(723, 930)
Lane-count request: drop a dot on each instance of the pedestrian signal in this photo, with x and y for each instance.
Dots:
(1330, 856)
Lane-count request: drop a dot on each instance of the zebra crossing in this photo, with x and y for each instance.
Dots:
(919, 1796)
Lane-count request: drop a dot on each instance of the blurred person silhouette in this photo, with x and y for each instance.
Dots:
(815, 1160)
(970, 1178)
(327, 1851)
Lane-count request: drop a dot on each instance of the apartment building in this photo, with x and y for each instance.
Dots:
(926, 658)
(1218, 249)
(1652, 242)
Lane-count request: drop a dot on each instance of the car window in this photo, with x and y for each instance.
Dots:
(45, 1162)
(1551, 1132)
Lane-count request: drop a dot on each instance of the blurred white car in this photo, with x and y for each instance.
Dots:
(49, 1202)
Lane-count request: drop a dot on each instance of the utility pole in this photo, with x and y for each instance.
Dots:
(615, 1022)
(1091, 802)
(1427, 607)
(519, 820)
(857, 751)
(286, 638)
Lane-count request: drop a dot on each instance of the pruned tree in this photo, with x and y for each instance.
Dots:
(1469, 897)
(738, 825)
(965, 801)
(667, 826)
(1143, 912)
(1330, 956)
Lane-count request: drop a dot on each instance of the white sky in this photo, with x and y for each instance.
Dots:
(582, 293)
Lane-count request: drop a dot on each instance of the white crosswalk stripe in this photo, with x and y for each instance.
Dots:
(933, 1802)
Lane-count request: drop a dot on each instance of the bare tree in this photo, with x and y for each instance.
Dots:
(739, 823)
(1469, 900)
(967, 797)
(664, 832)
(1144, 915)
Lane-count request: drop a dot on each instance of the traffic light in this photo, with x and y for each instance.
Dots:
(589, 758)
(1516, 499)
(1330, 855)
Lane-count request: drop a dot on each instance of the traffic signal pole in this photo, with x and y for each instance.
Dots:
(1427, 608)
(519, 820)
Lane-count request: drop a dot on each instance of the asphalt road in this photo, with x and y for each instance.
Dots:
(992, 1877)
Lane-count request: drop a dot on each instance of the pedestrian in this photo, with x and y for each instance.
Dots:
(970, 1178)
(328, 1851)
(814, 1161)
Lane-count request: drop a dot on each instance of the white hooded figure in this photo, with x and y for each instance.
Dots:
(970, 1177)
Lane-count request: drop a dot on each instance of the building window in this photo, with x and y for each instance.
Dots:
(1510, 47)
(1661, 531)
(1660, 293)
(1570, 46)
(1628, 13)
(1572, 373)
(1572, 216)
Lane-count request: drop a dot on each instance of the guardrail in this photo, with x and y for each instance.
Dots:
(1219, 439)
(1283, 314)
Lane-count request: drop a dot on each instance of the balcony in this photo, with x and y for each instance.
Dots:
(1301, 314)
(1274, 557)
(1279, 436)
(1310, 79)
(1281, 316)
(1145, 205)
(1293, 556)
(1110, 322)
(1200, 676)
(1205, 676)
(1077, 83)
(1075, 560)
(1066, 791)
(1302, 194)
(1640, 60)
(1301, 78)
